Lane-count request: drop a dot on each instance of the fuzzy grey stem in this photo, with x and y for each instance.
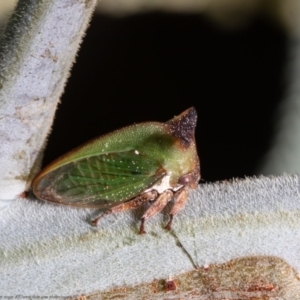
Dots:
(36, 53)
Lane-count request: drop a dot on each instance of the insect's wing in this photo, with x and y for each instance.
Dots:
(100, 180)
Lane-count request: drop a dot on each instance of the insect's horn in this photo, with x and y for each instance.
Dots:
(184, 125)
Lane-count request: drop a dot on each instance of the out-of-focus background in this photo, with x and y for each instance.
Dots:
(145, 60)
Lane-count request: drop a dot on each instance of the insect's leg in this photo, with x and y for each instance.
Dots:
(180, 200)
(132, 204)
(156, 207)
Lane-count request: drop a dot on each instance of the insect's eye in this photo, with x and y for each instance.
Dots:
(186, 179)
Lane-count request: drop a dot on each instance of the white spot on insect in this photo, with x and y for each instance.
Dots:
(136, 152)
(163, 185)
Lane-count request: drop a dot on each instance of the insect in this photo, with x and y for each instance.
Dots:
(127, 168)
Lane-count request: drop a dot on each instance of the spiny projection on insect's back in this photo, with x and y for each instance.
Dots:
(125, 169)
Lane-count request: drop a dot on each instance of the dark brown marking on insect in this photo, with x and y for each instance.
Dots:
(183, 126)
